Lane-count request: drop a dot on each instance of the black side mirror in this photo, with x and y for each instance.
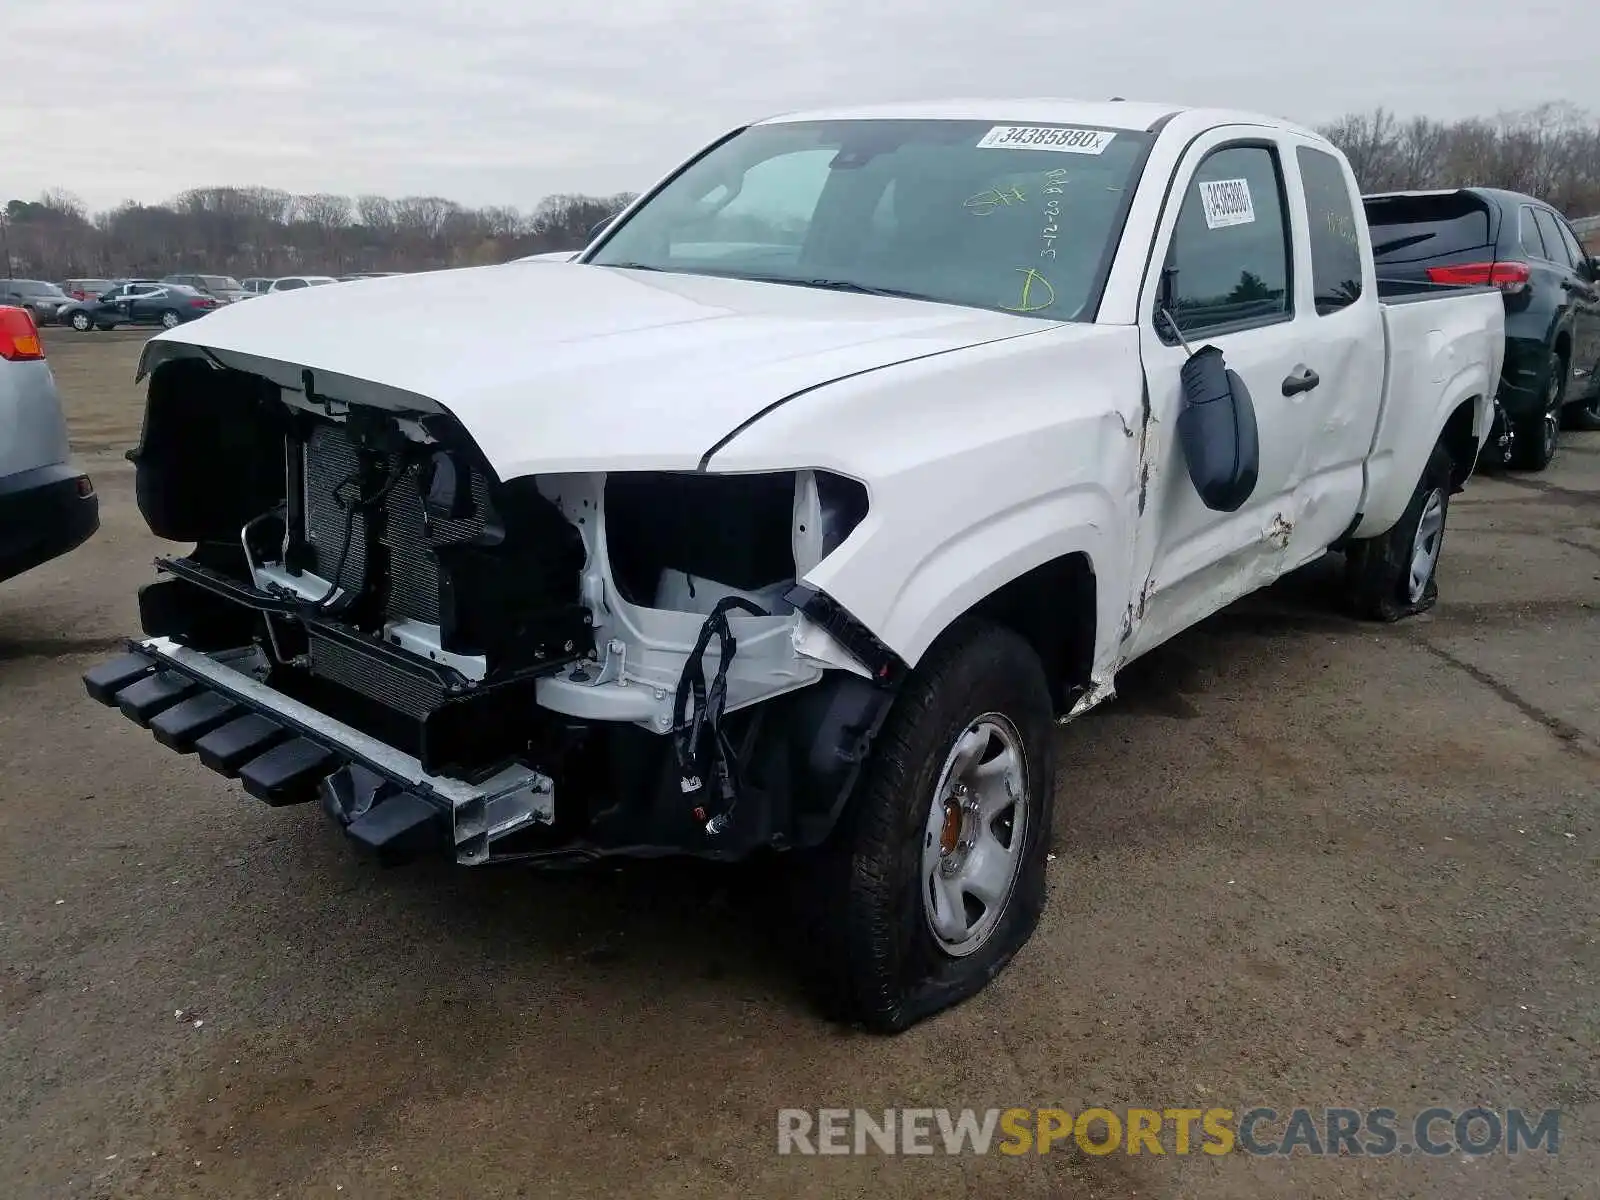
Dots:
(1217, 429)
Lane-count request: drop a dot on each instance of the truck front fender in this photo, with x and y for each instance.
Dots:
(908, 592)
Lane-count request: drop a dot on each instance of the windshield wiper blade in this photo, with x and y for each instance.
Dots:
(1400, 243)
(850, 285)
(630, 266)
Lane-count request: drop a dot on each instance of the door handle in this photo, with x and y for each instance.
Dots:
(1301, 380)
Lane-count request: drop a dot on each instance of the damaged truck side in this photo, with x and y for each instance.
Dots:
(792, 514)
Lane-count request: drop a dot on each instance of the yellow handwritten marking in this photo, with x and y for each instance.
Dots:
(985, 203)
(1026, 303)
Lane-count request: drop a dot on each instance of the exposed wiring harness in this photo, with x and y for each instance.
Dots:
(698, 740)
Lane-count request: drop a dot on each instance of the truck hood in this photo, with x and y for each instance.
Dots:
(569, 367)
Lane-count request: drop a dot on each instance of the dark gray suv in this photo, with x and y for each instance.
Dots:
(42, 299)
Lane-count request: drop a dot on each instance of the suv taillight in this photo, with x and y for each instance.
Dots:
(1509, 277)
(19, 336)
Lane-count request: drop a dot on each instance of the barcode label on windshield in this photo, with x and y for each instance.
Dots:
(1046, 137)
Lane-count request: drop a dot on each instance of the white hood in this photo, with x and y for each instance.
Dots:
(567, 367)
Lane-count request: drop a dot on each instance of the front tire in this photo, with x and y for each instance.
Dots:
(1538, 433)
(935, 877)
(81, 322)
(1394, 575)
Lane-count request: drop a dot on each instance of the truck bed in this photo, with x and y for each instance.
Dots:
(1443, 348)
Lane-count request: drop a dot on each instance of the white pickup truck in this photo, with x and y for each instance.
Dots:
(789, 517)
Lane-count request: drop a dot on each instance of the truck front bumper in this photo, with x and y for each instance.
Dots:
(285, 752)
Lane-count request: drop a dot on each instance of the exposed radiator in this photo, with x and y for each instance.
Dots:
(377, 678)
(413, 588)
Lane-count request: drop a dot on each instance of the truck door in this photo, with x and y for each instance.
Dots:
(1344, 343)
(1224, 265)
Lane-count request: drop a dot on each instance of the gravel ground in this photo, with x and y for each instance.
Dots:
(1299, 861)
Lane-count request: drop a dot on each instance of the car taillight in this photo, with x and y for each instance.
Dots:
(19, 336)
(202, 302)
(1509, 277)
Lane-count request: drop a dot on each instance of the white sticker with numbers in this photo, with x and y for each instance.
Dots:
(1227, 202)
(1046, 137)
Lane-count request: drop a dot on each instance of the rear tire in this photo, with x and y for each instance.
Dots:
(1538, 433)
(170, 319)
(1394, 575)
(935, 877)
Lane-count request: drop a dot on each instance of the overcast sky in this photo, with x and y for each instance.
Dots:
(504, 101)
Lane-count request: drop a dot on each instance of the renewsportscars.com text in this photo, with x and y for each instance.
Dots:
(1259, 1131)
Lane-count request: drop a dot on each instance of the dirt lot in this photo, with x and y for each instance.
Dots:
(1300, 861)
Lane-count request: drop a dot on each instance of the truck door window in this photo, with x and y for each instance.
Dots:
(1228, 263)
(1335, 249)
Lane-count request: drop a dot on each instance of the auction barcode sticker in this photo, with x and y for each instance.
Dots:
(1046, 137)
(1227, 202)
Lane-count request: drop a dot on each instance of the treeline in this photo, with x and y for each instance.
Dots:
(1552, 152)
(244, 231)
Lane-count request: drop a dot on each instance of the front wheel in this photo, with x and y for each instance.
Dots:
(170, 319)
(935, 877)
(81, 322)
(1394, 575)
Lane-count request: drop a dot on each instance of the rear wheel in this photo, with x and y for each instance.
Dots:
(1538, 432)
(170, 319)
(1394, 575)
(935, 877)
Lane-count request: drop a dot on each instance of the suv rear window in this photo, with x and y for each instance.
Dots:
(1413, 228)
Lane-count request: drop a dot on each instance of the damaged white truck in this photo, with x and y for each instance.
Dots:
(792, 514)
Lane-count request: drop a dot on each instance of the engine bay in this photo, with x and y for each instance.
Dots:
(387, 578)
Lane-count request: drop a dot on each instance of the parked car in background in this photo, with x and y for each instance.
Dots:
(42, 299)
(140, 303)
(292, 283)
(87, 289)
(256, 285)
(225, 288)
(47, 506)
(1526, 249)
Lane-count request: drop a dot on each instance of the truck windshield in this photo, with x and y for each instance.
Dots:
(1016, 218)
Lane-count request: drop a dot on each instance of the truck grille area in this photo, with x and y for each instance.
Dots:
(332, 459)
(414, 693)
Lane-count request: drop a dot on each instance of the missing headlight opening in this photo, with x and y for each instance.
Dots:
(612, 632)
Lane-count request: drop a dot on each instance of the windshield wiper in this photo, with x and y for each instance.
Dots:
(631, 266)
(850, 285)
(1400, 243)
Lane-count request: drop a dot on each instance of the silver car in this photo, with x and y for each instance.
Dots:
(47, 506)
